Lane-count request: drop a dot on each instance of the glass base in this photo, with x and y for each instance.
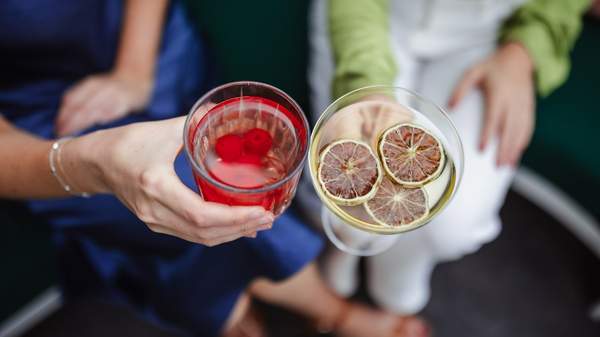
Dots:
(353, 240)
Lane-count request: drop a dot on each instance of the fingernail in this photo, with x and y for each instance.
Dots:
(265, 226)
(256, 214)
(267, 218)
(483, 144)
(252, 236)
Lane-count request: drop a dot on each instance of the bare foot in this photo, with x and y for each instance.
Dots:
(360, 321)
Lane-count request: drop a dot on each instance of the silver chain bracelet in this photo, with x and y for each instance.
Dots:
(56, 165)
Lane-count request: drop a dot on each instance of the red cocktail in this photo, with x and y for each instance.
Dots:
(247, 143)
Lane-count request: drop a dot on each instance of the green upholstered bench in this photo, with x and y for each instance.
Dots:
(257, 40)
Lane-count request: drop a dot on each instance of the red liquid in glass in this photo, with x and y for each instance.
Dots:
(249, 144)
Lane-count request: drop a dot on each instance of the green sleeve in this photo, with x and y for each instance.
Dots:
(548, 30)
(360, 39)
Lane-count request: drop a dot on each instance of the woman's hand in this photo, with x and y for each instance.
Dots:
(99, 99)
(506, 79)
(135, 162)
(367, 119)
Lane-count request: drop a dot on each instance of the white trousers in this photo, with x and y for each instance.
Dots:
(399, 278)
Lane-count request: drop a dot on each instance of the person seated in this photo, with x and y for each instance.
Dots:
(128, 228)
(483, 61)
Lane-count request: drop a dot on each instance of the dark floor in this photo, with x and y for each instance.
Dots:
(535, 280)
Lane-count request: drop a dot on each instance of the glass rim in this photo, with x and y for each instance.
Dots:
(329, 111)
(196, 167)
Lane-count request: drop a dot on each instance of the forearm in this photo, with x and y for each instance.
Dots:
(361, 45)
(140, 38)
(24, 169)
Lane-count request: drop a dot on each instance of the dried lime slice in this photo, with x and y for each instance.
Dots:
(349, 172)
(395, 205)
(410, 154)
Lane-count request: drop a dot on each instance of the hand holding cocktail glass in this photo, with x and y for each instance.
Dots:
(383, 161)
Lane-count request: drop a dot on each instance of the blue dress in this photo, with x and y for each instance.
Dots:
(104, 250)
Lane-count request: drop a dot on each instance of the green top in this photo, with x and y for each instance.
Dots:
(363, 55)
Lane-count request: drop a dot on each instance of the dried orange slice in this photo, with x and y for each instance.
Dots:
(349, 172)
(410, 154)
(395, 205)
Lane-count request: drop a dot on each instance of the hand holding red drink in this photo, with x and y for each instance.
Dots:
(135, 163)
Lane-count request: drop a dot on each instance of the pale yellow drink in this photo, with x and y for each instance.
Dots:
(365, 121)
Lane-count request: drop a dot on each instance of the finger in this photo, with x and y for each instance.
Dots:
(76, 122)
(468, 81)
(65, 114)
(208, 241)
(530, 112)
(216, 232)
(162, 220)
(156, 213)
(508, 133)
(106, 108)
(525, 132)
(492, 118)
(98, 101)
(367, 125)
(77, 95)
(71, 107)
(102, 106)
(222, 240)
(111, 110)
(160, 229)
(173, 194)
(176, 125)
(247, 218)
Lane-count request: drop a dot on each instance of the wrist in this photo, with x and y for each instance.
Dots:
(141, 74)
(519, 56)
(81, 162)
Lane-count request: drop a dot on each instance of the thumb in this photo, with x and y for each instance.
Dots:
(171, 130)
(468, 81)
